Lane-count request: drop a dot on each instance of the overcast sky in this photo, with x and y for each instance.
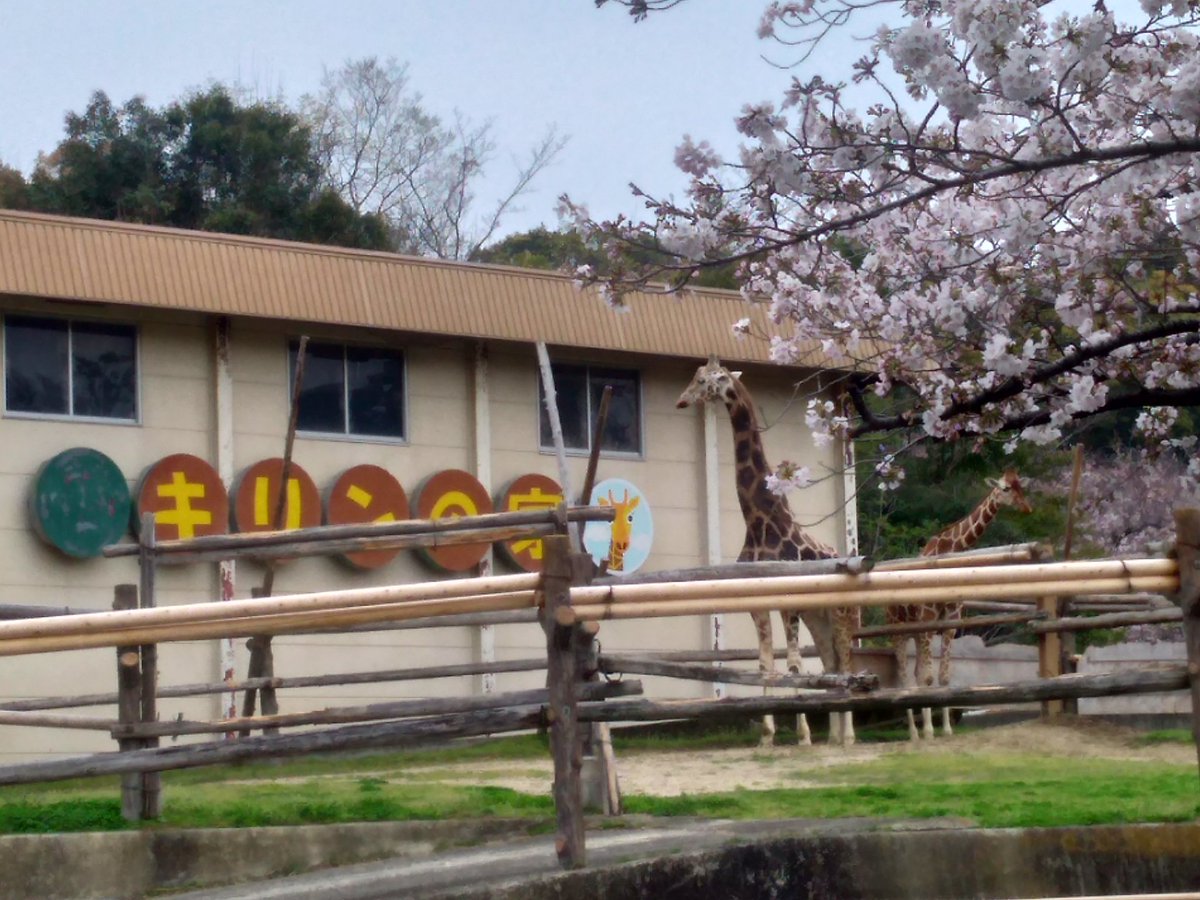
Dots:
(624, 93)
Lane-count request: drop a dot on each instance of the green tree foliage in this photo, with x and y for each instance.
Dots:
(14, 192)
(207, 162)
(541, 248)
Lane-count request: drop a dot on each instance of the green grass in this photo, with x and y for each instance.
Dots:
(1008, 789)
(1166, 736)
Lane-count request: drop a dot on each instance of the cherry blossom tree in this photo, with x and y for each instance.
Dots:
(1004, 243)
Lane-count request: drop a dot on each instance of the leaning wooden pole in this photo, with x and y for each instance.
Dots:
(1187, 551)
(566, 745)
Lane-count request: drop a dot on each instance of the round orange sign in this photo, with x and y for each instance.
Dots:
(256, 498)
(187, 497)
(452, 493)
(366, 494)
(525, 493)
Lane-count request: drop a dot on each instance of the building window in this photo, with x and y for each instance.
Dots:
(578, 390)
(58, 367)
(349, 390)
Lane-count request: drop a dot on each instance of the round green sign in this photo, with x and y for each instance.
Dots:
(80, 502)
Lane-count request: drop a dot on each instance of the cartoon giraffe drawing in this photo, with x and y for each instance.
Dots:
(773, 534)
(962, 535)
(622, 528)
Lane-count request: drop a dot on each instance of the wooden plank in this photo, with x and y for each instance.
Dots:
(633, 665)
(262, 543)
(147, 599)
(940, 624)
(1187, 550)
(382, 736)
(566, 739)
(1109, 620)
(395, 709)
(1146, 681)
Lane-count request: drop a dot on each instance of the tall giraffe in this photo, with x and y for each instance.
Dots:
(962, 535)
(773, 534)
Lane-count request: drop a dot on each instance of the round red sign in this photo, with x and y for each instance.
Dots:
(366, 494)
(525, 493)
(256, 498)
(187, 497)
(452, 493)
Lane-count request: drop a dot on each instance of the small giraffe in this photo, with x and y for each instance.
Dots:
(622, 528)
(962, 535)
(773, 534)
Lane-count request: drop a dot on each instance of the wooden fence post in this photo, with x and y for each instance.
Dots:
(562, 676)
(129, 705)
(261, 665)
(151, 781)
(1050, 643)
(1187, 551)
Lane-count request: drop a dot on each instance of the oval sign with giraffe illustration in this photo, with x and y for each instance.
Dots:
(626, 541)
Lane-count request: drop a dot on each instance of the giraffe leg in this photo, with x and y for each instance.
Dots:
(944, 676)
(791, 627)
(766, 666)
(843, 635)
(925, 678)
(903, 677)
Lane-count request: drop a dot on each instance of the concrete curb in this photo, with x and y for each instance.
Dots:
(134, 863)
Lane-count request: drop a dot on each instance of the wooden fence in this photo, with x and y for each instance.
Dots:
(569, 602)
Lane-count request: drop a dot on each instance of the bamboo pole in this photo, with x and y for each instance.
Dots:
(982, 556)
(981, 576)
(284, 623)
(705, 604)
(510, 585)
(853, 565)
(46, 720)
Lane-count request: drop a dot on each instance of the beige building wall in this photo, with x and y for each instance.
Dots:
(178, 414)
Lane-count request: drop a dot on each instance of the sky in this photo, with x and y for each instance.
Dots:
(624, 93)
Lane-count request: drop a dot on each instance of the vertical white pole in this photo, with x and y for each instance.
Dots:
(223, 386)
(712, 526)
(483, 471)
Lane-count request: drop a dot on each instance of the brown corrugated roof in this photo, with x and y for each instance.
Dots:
(110, 262)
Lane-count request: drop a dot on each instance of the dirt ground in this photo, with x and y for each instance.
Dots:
(672, 773)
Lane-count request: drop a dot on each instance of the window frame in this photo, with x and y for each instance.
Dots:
(638, 454)
(70, 415)
(347, 435)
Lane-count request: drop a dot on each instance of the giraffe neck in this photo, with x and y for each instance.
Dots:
(965, 533)
(770, 525)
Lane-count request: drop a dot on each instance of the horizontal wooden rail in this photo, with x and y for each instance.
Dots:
(640, 665)
(1110, 620)
(18, 611)
(378, 736)
(947, 624)
(266, 543)
(281, 682)
(853, 565)
(395, 709)
(1173, 678)
(980, 556)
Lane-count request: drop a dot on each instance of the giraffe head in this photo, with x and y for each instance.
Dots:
(622, 526)
(711, 383)
(1009, 493)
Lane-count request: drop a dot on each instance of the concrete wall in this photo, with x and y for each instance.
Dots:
(178, 414)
